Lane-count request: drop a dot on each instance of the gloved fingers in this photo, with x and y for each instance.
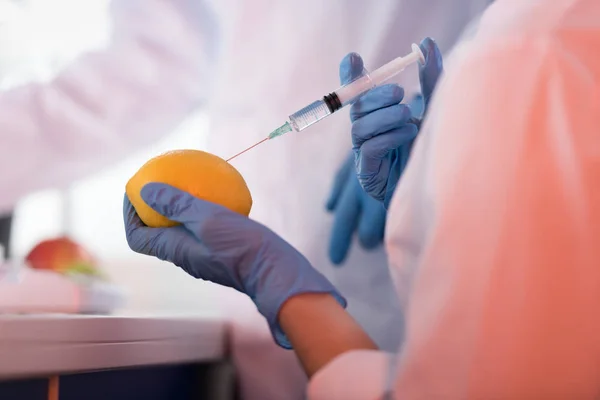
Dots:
(397, 160)
(430, 72)
(371, 226)
(339, 182)
(379, 122)
(344, 224)
(376, 149)
(374, 179)
(379, 97)
(405, 154)
(351, 67)
(140, 238)
(417, 106)
(130, 217)
(170, 244)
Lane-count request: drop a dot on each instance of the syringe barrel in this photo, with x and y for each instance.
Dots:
(350, 92)
(309, 115)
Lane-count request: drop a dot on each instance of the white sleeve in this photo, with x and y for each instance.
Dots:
(108, 103)
(499, 214)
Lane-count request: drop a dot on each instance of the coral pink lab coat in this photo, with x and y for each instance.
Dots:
(494, 232)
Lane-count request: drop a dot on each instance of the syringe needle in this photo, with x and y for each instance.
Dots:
(249, 148)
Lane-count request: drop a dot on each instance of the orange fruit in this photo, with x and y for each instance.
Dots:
(201, 174)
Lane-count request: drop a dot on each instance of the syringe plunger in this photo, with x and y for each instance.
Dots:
(350, 92)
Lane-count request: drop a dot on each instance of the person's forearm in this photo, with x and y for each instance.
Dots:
(320, 329)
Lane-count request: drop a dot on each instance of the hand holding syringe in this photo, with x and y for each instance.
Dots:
(345, 95)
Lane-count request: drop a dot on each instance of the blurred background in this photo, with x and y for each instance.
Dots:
(36, 41)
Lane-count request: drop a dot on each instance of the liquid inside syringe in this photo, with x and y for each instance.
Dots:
(343, 96)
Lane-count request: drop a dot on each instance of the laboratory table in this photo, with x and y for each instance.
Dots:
(61, 357)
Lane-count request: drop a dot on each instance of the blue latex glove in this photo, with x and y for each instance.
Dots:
(354, 211)
(215, 244)
(383, 129)
(417, 106)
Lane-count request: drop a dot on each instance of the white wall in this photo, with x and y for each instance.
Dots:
(91, 210)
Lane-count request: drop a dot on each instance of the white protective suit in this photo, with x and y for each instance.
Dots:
(493, 233)
(250, 64)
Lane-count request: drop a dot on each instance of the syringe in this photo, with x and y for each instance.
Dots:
(343, 96)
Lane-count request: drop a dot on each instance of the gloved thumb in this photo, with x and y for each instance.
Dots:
(180, 206)
(351, 68)
(430, 72)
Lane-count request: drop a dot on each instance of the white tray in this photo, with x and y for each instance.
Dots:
(25, 290)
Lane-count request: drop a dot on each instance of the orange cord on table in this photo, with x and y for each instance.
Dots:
(53, 387)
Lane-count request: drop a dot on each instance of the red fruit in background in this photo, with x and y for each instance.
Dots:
(60, 255)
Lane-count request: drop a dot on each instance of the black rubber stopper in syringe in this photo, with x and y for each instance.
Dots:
(333, 102)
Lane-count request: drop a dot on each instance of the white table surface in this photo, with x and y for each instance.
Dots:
(33, 345)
